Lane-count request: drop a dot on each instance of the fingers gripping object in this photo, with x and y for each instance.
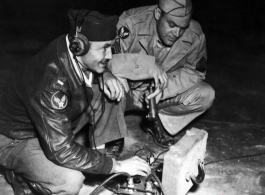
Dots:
(79, 44)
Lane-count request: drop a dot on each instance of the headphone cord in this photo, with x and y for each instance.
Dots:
(94, 124)
(102, 112)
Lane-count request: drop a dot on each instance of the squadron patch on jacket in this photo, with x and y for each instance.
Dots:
(201, 65)
(59, 100)
(116, 47)
(123, 32)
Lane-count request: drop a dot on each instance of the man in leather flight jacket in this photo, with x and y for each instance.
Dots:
(51, 98)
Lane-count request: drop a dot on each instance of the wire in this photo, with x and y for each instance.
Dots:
(144, 149)
(102, 112)
(158, 157)
(153, 175)
(233, 158)
(96, 191)
(94, 124)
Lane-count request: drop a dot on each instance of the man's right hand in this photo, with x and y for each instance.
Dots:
(133, 166)
(111, 86)
(160, 77)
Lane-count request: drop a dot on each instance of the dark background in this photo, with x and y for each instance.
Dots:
(32, 17)
(235, 36)
(234, 32)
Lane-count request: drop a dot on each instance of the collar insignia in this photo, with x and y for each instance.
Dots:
(123, 32)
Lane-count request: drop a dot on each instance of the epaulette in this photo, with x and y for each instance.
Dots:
(195, 27)
(139, 15)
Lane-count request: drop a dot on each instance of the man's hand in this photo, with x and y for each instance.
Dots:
(111, 86)
(133, 166)
(157, 95)
(159, 76)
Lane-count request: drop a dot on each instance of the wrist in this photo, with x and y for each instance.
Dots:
(117, 167)
(114, 164)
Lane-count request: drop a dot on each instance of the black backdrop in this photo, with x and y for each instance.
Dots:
(31, 18)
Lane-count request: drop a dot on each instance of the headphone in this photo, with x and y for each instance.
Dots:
(79, 44)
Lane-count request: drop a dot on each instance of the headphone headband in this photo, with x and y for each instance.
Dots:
(79, 44)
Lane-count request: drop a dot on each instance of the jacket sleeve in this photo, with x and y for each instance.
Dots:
(54, 129)
(129, 65)
(132, 66)
(193, 72)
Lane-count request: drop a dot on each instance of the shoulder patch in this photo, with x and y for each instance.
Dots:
(123, 32)
(59, 100)
(201, 65)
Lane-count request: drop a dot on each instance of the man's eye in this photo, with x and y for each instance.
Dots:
(171, 25)
(105, 48)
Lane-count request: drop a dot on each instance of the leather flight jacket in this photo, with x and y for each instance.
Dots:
(47, 99)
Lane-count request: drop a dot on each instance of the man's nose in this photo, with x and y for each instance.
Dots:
(108, 53)
(176, 32)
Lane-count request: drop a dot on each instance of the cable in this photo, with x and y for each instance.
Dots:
(96, 191)
(144, 149)
(158, 156)
(153, 175)
(102, 111)
(233, 158)
(94, 124)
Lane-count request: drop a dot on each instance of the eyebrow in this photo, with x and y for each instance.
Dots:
(102, 47)
(184, 27)
(107, 45)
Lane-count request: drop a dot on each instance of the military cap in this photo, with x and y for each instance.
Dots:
(178, 8)
(92, 24)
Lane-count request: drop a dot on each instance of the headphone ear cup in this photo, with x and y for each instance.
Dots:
(79, 45)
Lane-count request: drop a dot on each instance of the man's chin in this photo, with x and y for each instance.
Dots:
(101, 69)
(170, 43)
(167, 43)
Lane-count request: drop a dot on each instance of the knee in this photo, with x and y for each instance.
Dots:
(207, 95)
(70, 184)
(73, 183)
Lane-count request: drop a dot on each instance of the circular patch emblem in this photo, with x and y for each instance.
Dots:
(59, 100)
(123, 32)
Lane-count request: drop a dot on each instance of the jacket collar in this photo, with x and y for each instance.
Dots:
(66, 63)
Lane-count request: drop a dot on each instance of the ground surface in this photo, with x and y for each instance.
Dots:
(235, 123)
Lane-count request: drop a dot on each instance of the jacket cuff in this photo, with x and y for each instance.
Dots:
(114, 165)
(108, 165)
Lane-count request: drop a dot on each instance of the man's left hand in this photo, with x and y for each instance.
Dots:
(157, 95)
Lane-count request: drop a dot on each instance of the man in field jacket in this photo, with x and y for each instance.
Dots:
(166, 35)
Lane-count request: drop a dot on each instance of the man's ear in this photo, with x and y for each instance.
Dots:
(157, 13)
